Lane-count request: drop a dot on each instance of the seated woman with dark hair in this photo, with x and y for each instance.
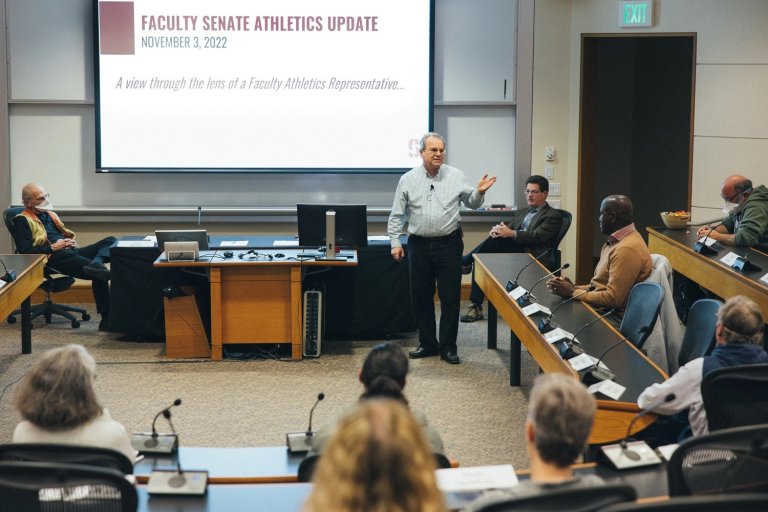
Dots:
(378, 460)
(383, 376)
(59, 405)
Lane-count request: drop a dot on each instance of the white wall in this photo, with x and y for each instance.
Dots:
(731, 107)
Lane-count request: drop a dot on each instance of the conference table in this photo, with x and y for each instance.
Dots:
(633, 370)
(707, 270)
(29, 275)
(255, 295)
(264, 479)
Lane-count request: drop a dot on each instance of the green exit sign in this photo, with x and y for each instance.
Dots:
(637, 13)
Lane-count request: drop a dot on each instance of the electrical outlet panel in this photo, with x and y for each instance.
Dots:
(549, 171)
(554, 189)
(554, 203)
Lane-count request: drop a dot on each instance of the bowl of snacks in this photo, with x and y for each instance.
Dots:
(676, 220)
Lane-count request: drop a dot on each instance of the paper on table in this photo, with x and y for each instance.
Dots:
(667, 450)
(476, 478)
(608, 388)
(518, 292)
(585, 361)
(556, 335)
(234, 243)
(285, 243)
(709, 243)
(730, 258)
(764, 278)
(534, 308)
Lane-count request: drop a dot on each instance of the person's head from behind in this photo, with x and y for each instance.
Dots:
(739, 320)
(560, 416)
(384, 371)
(536, 190)
(58, 393)
(616, 212)
(378, 460)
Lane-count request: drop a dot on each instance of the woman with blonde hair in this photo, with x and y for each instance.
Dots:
(378, 460)
(58, 403)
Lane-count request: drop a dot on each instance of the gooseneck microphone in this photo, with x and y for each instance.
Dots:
(596, 374)
(702, 247)
(511, 285)
(570, 348)
(300, 442)
(545, 325)
(529, 294)
(742, 262)
(320, 397)
(631, 454)
(167, 414)
(9, 276)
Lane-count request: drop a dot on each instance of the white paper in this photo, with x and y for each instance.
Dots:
(667, 450)
(709, 242)
(557, 334)
(285, 243)
(730, 258)
(378, 238)
(234, 243)
(135, 243)
(609, 388)
(476, 478)
(618, 455)
(534, 308)
(2, 283)
(764, 278)
(518, 292)
(581, 361)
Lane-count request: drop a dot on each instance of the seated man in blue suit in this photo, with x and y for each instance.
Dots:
(533, 229)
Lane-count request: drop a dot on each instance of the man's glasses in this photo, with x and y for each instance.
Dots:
(532, 192)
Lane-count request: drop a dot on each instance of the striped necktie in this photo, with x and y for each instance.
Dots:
(527, 220)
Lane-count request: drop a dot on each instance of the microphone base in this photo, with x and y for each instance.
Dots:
(704, 249)
(745, 265)
(299, 442)
(595, 375)
(171, 482)
(524, 300)
(568, 350)
(546, 325)
(511, 286)
(636, 454)
(146, 443)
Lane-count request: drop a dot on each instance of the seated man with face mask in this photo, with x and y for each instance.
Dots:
(38, 230)
(747, 222)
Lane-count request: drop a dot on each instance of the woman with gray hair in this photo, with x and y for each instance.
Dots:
(58, 403)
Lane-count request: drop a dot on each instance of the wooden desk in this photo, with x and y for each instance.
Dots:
(29, 276)
(256, 299)
(708, 271)
(264, 464)
(633, 370)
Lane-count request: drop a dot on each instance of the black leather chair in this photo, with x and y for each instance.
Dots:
(582, 499)
(736, 396)
(55, 282)
(727, 461)
(33, 486)
(556, 258)
(731, 502)
(642, 311)
(699, 336)
(66, 453)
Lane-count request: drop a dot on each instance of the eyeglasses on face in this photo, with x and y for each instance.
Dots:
(532, 192)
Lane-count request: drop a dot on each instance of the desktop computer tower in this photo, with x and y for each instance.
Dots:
(313, 322)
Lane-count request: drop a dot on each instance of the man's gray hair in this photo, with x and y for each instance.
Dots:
(423, 141)
(742, 321)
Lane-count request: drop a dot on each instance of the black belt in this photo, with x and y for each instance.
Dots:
(456, 234)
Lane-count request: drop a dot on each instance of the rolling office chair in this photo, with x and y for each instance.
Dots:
(748, 502)
(733, 460)
(555, 259)
(64, 487)
(67, 454)
(699, 336)
(736, 396)
(55, 282)
(642, 311)
(582, 499)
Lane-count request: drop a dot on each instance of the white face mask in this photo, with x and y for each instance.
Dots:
(45, 206)
(728, 206)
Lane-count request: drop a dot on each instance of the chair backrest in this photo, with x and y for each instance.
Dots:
(699, 336)
(71, 487)
(727, 461)
(736, 396)
(579, 499)
(642, 310)
(66, 453)
(555, 259)
(751, 502)
(9, 214)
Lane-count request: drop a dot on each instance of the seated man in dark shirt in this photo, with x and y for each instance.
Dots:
(560, 416)
(533, 229)
(38, 230)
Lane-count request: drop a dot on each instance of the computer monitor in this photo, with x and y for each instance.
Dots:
(351, 225)
(182, 235)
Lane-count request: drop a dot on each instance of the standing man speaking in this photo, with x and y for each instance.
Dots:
(428, 197)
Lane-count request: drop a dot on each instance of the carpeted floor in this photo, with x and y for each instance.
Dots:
(255, 402)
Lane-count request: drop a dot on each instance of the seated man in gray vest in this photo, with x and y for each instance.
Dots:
(533, 229)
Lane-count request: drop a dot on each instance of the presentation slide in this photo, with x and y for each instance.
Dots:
(262, 85)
